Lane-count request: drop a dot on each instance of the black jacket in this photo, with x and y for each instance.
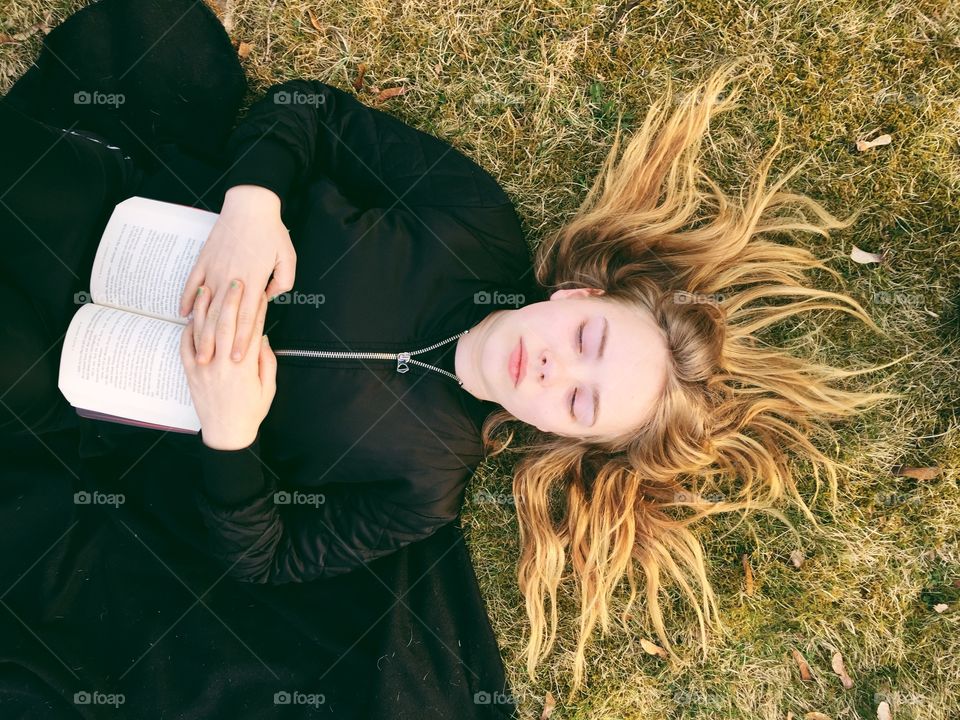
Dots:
(402, 242)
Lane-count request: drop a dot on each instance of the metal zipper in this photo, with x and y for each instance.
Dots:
(402, 358)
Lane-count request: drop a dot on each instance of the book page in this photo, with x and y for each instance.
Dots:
(126, 365)
(147, 250)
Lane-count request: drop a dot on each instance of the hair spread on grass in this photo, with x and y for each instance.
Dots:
(731, 408)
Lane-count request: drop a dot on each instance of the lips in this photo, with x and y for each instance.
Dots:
(517, 363)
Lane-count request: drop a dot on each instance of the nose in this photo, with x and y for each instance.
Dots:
(551, 370)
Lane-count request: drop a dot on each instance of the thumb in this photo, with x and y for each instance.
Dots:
(283, 276)
(268, 368)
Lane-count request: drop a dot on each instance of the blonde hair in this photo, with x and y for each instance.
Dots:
(731, 406)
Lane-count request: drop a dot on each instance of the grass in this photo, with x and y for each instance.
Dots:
(531, 91)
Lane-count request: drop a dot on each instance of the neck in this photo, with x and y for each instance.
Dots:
(467, 360)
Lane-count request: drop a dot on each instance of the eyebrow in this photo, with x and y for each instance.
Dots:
(596, 392)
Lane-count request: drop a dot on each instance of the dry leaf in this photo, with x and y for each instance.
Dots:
(389, 93)
(797, 558)
(816, 716)
(748, 573)
(243, 49)
(883, 711)
(941, 607)
(548, 705)
(917, 473)
(863, 257)
(839, 669)
(44, 27)
(438, 68)
(652, 648)
(358, 82)
(867, 144)
(805, 673)
(789, 715)
(313, 21)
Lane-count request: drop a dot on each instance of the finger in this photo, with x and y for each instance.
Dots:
(268, 369)
(206, 348)
(283, 275)
(257, 326)
(187, 348)
(246, 318)
(194, 280)
(200, 308)
(227, 322)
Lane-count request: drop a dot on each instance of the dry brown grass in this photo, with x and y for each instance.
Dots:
(531, 92)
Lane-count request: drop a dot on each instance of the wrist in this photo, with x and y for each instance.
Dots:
(247, 196)
(226, 443)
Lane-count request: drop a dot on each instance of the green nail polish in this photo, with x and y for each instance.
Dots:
(233, 283)
(199, 291)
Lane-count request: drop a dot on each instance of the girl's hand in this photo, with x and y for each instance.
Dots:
(231, 398)
(248, 242)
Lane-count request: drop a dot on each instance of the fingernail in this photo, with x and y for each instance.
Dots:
(234, 283)
(266, 341)
(199, 291)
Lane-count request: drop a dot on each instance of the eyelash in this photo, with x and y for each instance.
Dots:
(573, 398)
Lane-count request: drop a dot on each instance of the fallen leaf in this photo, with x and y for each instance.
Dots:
(313, 21)
(816, 716)
(839, 669)
(748, 572)
(43, 27)
(867, 144)
(358, 82)
(917, 473)
(652, 648)
(883, 711)
(863, 257)
(941, 607)
(789, 715)
(389, 93)
(243, 49)
(797, 558)
(437, 69)
(805, 673)
(548, 705)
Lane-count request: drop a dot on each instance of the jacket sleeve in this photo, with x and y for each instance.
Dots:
(304, 127)
(265, 536)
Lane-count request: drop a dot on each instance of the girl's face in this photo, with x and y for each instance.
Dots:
(587, 365)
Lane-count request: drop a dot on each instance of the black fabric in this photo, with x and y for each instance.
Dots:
(144, 597)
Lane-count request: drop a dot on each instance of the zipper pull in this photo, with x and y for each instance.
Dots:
(402, 359)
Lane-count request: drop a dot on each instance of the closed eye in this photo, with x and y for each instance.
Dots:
(573, 398)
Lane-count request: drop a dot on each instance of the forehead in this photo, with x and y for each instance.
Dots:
(634, 362)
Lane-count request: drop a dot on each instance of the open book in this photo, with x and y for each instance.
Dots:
(121, 355)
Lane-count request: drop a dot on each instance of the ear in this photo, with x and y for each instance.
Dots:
(575, 292)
